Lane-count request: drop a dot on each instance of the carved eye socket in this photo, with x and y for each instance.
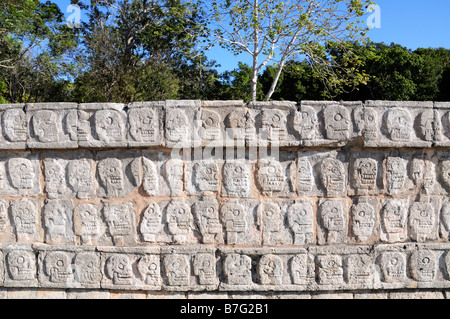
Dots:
(302, 212)
(209, 171)
(362, 214)
(423, 213)
(17, 119)
(338, 117)
(20, 260)
(276, 118)
(370, 118)
(206, 263)
(426, 260)
(60, 263)
(209, 121)
(271, 170)
(331, 263)
(394, 261)
(236, 212)
(238, 169)
(152, 266)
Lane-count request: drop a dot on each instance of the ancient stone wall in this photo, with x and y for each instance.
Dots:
(169, 199)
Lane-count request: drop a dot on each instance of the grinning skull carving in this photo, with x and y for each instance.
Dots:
(45, 126)
(88, 225)
(151, 223)
(110, 172)
(206, 176)
(271, 177)
(363, 221)
(237, 179)
(337, 122)
(177, 270)
(58, 220)
(55, 180)
(150, 179)
(144, 125)
(206, 215)
(445, 173)
(270, 270)
(14, 125)
(4, 219)
(430, 126)
(423, 266)
(119, 270)
(80, 177)
(177, 126)
(359, 269)
(235, 221)
(299, 269)
(330, 270)
(174, 169)
(87, 268)
(109, 126)
(274, 124)
(300, 217)
(237, 269)
(396, 174)
(148, 267)
(333, 216)
(178, 218)
(399, 125)
(273, 222)
(21, 173)
(332, 176)
(21, 265)
(394, 216)
(393, 267)
(58, 267)
(306, 123)
(25, 218)
(305, 175)
(205, 268)
(119, 218)
(210, 130)
(421, 221)
(365, 173)
(371, 125)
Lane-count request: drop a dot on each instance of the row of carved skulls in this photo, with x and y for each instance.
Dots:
(85, 269)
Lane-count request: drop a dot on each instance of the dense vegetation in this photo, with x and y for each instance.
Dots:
(136, 52)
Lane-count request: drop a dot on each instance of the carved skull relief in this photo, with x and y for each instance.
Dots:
(87, 268)
(25, 218)
(110, 172)
(174, 170)
(88, 224)
(119, 269)
(332, 176)
(109, 126)
(151, 223)
(423, 265)
(45, 126)
(148, 267)
(14, 125)
(205, 268)
(177, 270)
(206, 176)
(363, 221)
(21, 265)
(177, 126)
(306, 123)
(396, 174)
(274, 124)
(271, 177)
(237, 179)
(270, 270)
(301, 221)
(430, 126)
(337, 122)
(58, 267)
(305, 177)
(150, 179)
(365, 173)
(210, 130)
(178, 218)
(399, 125)
(234, 221)
(237, 269)
(144, 125)
(80, 177)
(21, 173)
(393, 267)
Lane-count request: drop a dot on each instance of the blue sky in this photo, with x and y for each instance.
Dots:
(411, 23)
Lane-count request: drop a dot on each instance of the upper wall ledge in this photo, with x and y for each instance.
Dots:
(194, 123)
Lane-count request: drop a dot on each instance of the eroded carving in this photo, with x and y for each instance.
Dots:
(179, 220)
(395, 175)
(273, 224)
(270, 270)
(206, 176)
(119, 219)
(363, 221)
(423, 265)
(14, 125)
(330, 271)
(21, 173)
(430, 126)
(4, 218)
(210, 130)
(80, 178)
(55, 179)
(21, 265)
(58, 216)
(300, 217)
(151, 223)
(237, 179)
(58, 267)
(87, 223)
(422, 220)
(393, 267)
(87, 268)
(445, 173)
(306, 123)
(25, 219)
(300, 269)
(151, 177)
(45, 126)
(205, 268)
(110, 171)
(144, 125)
(206, 214)
(274, 124)
(235, 221)
(399, 125)
(359, 269)
(119, 269)
(177, 125)
(271, 177)
(305, 178)
(337, 122)
(177, 270)
(174, 169)
(394, 217)
(109, 126)
(333, 177)
(237, 269)
(149, 269)
(333, 219)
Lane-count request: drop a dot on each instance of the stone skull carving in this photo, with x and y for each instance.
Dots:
(332, 176)
(110, 172)
(206, 215)
(445, 173)
(109, 126)
(337, 122)
(148, 267)
(80, 177)
(25, 218)
(205, 268)
(237, 179)
(330, 270)
(14, 125)
(177, 270)
(371, 125)
(58, 220)
(394, 216)
(174, 170)
(87, 268)
(177, 126)
(58, 267)
(393, 267)
(299, 269)
(430, 126)
(270, 270)
(150, 179)
(360, 269)
(274, 124)
(119, 269)
(365, 172)
(119, 218)
(21, 173)
(271, 177)
(396, 174)
(151, 223)
(88, 225)
(45, 126)
(54, 177)
(399, 125)
(235, 221)
(206, 176)
(178, 218)
(423, 265)
(300, 218)
(305, 178)
(144, 125)
(237, 269)
(306, 123)
(210, 130)
(363, 221)
(333, 216)
(4, 219)
(422, 220)
(21, 265)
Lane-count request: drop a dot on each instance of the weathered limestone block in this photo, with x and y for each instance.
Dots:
(333, 225)
(14, 126)
(20, 265)
(364, 220)
(301, 222)
(118, 174)
(179, 221)
(403, 124)
(6, 229)
(206, 217)
(241, 222)
(394, 220)
(273, 219)
(366, 173)
(444, 220)
(189, 268)
(276, 177)
(202, 177)
(145, 124)
(182, 121)
(52, 125)
(423, 219)
(20, 174)
(58, 221)
(26, 220)
(269, 122)
(120, 221)
(102, 125)
(89, 226)
(322, 173)
(151, 224)
(133, 268)
(443, 114)
(237, 179)
(398, 181)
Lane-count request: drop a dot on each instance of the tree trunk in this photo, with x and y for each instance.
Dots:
(275, 80)
(255, 53)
